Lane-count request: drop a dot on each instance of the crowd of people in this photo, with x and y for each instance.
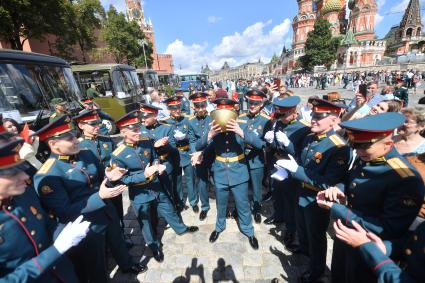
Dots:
(358, 164)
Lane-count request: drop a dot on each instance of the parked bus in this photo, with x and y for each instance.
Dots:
(149, 80)
(118, 86)
(193, 80)
(29, 81)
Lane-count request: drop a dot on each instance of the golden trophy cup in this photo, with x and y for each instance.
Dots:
(223, 116)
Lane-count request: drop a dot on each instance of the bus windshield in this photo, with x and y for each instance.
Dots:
(29, 88)
(125, 83)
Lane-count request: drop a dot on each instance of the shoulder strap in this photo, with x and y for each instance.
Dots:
(400, 167)
(46, 166)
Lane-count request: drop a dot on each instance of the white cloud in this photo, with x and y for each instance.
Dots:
(380, 3)
(213, 19)
(378, 19)
(250, 45)
(401, 7)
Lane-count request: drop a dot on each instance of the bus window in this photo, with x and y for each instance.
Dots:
(123, 83)
(100, 78)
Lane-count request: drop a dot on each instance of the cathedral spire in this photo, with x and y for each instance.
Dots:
(411, 24)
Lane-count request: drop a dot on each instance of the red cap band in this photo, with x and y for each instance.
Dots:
(128, 122)
(88, 118)
(225, 106)
(363, 137)
(10, 160)
(64, 128)
(148, 110)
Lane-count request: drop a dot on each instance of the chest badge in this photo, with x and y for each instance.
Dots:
(46, 190)
(105, 146)
(184, 126)
(146, 153)
(33, 210)
(318, 157)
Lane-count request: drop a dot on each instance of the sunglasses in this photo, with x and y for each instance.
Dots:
(255, 102)
(319, 116)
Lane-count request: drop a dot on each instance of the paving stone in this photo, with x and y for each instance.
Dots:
(252, 273)
(153, 275)
(252, 260)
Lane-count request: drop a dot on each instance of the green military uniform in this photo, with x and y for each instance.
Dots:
(383, 195)
(402, 93)
(55, 115)
(200, 127)
(284, 192)
(253, 126)
(67, 186)
(323, 162)
(230, 173)
(27, 253)
(180, 125)
(92, 93)
(146, 193)
(410, 253)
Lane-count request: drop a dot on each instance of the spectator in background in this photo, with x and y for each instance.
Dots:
(211, 98)
(157, 99)
(409, 140)
(29, 148)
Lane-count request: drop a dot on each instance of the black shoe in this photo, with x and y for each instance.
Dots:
(306, 278)
(257, 217)
(253, 242)
(272, 221)
(195, 209)
(158, 255)
(203, 215)
(190, 229)
(288, 239)
(182, 207)
(136, 268)
(214, 236)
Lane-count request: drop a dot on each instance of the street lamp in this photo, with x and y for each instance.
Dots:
(143, 42)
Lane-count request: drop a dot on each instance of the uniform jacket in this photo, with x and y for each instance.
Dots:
(384, 196)
(323, 162)
(185, 147)
(135, 158)
(26, 238)
(101, 146)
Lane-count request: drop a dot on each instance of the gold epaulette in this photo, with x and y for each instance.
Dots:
(80, 139)
(165, 118)
(305, 122)
(241, 121)
(339, 142)
(265, 116)
(46, 166)
(119, 149)
(400, 167)
(192, 117)
(242, 115)
(164, 123)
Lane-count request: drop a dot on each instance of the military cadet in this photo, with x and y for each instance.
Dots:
(323, 162)
(91, 105)
(184, 137)
(255, 122)
(164, 146)
(68, 184)
(285, 138)
(401, 92)
(241, 89)
(27, 251)
(200, 127)
(60, 108)
(185, 103)
(382, 190)
(101, 146)
(230, 173)
(138, 157)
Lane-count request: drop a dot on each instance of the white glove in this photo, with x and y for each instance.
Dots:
(280, 175)
(71, 235)
(289, 164)
(269, 137)
(282, 138)
(179, 135)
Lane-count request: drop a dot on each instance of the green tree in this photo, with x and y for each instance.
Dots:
(23, 19)
(123, 40)
(274, 58)
(82, 19)
(320, 47)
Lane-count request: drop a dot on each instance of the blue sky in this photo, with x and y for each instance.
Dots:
(199, 32)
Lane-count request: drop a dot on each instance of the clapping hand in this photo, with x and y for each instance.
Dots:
(326, 199)
(289, 164)
(114, 173)
(161, 142)
(269, 137)
(282, 138)
(196, 158)
(107, 193)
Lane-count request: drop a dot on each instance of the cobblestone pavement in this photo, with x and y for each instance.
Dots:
(191, 258)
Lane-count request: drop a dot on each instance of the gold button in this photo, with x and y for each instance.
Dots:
(352, 195)
(415, 237)
(227, 150)
(354, 184)
(408, 251)
(32, 232)
(23, 219)
(227, 142)
(40, 245)
(9, 208)
(362, 174)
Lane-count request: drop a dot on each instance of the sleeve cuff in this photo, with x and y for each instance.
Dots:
(374, 257)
